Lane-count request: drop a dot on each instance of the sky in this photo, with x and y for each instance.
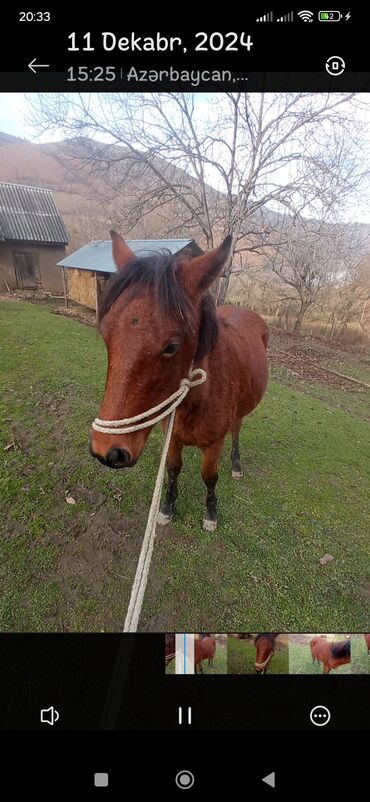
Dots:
(13, 120)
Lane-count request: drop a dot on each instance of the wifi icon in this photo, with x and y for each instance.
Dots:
(306, 16)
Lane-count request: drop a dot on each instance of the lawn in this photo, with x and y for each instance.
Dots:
(300, 660)
(70, 566)
(359, 657)
(241, 657)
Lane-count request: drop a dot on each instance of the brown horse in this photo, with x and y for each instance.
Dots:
(265, 648)
(367, 641)
(315, 647)
(204, 649)
(330, 653)
(158, 320)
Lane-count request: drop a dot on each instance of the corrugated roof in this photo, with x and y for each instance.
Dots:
(97, 256)
(29, 214)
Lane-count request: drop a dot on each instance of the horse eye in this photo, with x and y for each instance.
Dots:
(170, 349)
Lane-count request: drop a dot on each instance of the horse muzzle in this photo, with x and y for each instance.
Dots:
(116, 457)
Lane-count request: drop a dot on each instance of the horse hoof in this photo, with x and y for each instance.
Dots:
(237, 474)
(164, 520)
(209, 525)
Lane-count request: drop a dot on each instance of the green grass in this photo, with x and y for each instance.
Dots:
(300, 661)
(70, 567)
(241, 658)
(359, 657)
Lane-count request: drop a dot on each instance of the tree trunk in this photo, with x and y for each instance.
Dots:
(223, 283)
(363, 312)
(331, 335)
(300, 316)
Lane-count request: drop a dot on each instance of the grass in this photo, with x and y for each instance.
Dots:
(300, 660)
(241, 657)
(70, 567)
(359, 657)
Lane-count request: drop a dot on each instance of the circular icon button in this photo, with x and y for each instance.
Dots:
(320, 716)
(184, 779)
(335, 65)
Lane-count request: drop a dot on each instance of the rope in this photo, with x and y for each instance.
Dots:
(263, 665)
(125, 426)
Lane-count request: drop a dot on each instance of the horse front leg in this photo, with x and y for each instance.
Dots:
(174, 465)
(211, 456)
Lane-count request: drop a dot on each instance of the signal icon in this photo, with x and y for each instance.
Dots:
(266, 17)
(306, 16)
(286, 17)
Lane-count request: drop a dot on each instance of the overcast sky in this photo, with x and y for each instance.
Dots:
(13, 120)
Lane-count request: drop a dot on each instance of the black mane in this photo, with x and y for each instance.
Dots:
(341, 649)
(158, 274)
(270, 635)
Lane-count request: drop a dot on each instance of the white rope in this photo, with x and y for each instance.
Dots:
(263, 665)
(125, 426)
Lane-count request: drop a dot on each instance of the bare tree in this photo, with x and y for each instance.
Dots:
(314, 257)
(212, 166)
(350, 294)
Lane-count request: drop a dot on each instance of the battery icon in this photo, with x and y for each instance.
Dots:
(330, 16)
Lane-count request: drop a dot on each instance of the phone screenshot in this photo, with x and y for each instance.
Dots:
(185, 376)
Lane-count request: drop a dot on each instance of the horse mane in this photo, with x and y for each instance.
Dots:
(157, 273)
(270, 635)
(341, 649)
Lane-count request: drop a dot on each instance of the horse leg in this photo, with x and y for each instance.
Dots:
(211, 456)
(174, 465)
(236, 468)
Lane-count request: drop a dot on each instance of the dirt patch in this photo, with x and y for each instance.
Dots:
(317, 345)
(34, 296)
(303, 358)
(97, 551)
(298, 366)
(79, 316)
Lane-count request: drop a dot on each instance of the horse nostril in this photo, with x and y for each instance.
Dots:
(118, 458)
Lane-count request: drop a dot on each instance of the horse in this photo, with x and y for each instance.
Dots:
(367, 641)
(204, 649)
(315, 649)
(265, 648)
(170, 647)
(330, 653)
(159, 322)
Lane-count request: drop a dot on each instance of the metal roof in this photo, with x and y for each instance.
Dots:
(29, 214)
(97, 256)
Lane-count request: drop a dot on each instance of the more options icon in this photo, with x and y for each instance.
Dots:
(320, 716)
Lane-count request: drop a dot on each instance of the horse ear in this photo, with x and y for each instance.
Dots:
(121, 252)
(198, 273)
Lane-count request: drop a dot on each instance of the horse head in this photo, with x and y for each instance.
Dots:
(151, 320)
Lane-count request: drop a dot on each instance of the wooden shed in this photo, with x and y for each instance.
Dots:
(87, 269)
(33, 239)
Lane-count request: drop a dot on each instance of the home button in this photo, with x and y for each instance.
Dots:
(184, 779)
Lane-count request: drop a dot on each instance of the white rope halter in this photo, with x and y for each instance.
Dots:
(264, 664)
(125, 426)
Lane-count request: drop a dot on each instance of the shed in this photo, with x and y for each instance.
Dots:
(89, 268)
(33, 239)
